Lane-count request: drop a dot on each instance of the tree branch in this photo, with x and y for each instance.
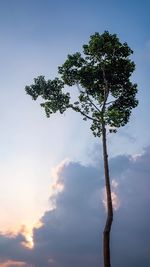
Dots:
(77, 109)
(80, 91)
(106, 92)
(109, 102)
(88, 98)
(93, 103)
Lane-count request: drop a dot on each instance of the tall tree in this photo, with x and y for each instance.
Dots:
(105, 96)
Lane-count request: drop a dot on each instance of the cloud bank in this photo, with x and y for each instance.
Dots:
(71, 233)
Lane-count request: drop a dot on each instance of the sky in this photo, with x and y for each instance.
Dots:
(41, 158)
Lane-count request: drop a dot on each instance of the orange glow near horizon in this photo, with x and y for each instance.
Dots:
(26, 232)
(14, 263)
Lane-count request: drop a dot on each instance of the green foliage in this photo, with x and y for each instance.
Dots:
(102, 75)
(51, 92)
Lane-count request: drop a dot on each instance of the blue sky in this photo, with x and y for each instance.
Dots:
(35, 38)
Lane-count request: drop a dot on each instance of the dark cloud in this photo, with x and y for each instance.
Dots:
(67, 235)
(131, 234)
(71, 234)
(11, 248)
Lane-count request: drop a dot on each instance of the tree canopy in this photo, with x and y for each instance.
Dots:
(102, 75)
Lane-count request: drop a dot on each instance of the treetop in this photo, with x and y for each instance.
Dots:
(101, 74)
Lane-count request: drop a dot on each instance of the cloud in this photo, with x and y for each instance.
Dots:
(66, 237)
(114, 196)
(71, 233)
(12, 251)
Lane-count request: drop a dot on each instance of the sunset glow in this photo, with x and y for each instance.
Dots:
(28, 237)
(13, 263)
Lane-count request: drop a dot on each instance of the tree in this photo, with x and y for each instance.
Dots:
(105, 96)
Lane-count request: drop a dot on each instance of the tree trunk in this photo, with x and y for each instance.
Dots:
(109, 219)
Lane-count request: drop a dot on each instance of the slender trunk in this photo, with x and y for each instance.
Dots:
(109, 219)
